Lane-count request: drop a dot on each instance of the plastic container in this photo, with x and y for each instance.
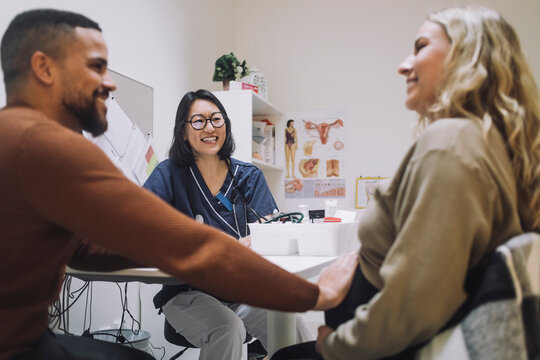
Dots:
(321, 239)
(138, 341)
(304, 209)
(273, 239)
(330, 207)
(328, 239)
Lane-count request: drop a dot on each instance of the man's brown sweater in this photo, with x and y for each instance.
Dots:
(55, 187)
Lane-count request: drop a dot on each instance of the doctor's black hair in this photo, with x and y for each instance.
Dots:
(46, 30)
(180, 152)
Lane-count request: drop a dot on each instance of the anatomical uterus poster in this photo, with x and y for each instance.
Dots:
(315, 154)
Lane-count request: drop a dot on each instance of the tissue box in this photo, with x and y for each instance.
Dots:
(324, 239)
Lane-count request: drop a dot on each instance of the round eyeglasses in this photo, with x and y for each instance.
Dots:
(198, 121)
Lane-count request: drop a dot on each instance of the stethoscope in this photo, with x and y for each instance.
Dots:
(236, 194)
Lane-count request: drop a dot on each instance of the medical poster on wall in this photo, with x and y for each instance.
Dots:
(315, 153)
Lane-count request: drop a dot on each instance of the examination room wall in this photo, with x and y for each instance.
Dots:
(344, 54)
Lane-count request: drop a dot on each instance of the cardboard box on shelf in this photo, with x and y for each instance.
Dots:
(263, 141)
(266, 127)
(269, 151)
(258, 148)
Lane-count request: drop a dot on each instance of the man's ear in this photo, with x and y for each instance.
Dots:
(41, 68)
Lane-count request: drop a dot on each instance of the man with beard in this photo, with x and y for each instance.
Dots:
(57, 188)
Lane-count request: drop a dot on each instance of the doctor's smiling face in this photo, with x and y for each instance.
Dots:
(209, 140)
(424, 68)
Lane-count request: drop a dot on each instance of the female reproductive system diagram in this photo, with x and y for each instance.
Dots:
(316, 163)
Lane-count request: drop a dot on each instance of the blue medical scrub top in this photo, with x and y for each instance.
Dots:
(245, 183)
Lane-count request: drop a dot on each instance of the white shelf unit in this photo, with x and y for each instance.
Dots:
(242, 107)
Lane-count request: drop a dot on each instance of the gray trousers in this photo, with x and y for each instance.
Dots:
(219, 328)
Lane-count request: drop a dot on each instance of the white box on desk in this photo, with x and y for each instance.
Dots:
(326, 239)
(273, 239)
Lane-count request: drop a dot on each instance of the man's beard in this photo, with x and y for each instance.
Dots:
(87, 114)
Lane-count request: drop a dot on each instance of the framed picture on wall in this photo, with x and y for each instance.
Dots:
(365, 188)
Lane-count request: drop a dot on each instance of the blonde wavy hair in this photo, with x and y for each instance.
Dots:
(487, 79)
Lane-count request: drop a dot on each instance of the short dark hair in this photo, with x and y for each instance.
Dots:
(289, 121)
(37, 30)
(181, 152)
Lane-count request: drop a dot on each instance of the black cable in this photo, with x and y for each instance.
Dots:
(81, 289)
(85, 309)
(65, 306)
(294, 217)
(124, 302)
(133, 320)
(54, 309)
(259, 216)
(88, 308)
(179, 354)
(60, 314)
(119, 333)
(65, 309)
(157, 348)
(60, 310)
(120, 339)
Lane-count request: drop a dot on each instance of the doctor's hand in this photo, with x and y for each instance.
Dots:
(246, 241)
(335, 281)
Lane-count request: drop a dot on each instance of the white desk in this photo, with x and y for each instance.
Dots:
(281, 325)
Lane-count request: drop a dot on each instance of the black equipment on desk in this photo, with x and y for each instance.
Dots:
(316, 214)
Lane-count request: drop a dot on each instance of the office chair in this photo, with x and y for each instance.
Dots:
(504, 319)
(255, 348)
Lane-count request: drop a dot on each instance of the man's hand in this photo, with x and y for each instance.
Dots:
(335, 281)
(324, 331)
(246, 241)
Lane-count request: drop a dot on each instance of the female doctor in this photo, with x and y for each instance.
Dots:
(202, 180)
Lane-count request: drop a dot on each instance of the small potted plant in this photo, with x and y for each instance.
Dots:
(228, 68)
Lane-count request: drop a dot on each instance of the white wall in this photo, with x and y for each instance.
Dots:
(344, 54)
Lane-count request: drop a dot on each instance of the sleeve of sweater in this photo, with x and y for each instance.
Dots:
(71, 183)
(91, 257)
(443, 210)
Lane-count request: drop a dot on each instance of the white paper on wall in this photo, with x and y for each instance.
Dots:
(125, 144)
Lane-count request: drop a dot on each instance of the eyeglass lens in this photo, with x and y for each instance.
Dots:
(198, 121)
